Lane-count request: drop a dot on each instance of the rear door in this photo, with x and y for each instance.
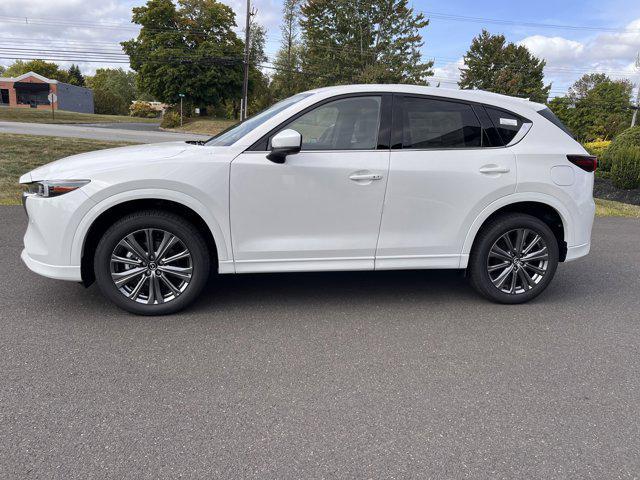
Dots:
(444, 170)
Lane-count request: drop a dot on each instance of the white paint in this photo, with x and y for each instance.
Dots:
(322, 210)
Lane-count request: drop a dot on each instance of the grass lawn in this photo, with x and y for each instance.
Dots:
(22, 153)
(206, 126)
(32, 115)
(609, 208)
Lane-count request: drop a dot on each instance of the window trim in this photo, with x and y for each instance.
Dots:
(384, 128)
(398, 123)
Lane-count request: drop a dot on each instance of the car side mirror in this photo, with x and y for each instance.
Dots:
(286, 142)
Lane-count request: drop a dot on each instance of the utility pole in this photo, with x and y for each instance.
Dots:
(245, 83)
(635, 112)
(181, 97)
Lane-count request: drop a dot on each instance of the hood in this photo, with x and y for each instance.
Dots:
(84, 164)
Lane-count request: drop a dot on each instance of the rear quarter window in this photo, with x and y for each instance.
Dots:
(506, 123)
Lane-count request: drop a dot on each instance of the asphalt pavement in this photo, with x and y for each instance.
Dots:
(332, 375)
(129, 132)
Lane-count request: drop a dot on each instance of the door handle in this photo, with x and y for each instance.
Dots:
(365, 176)
(494, 169)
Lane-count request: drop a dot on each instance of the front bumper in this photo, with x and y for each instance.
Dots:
(50, 231)
(59, 272)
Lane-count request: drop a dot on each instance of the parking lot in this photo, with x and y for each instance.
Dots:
(332, 375)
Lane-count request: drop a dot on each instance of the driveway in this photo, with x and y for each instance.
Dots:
(332, 375)
(109, 132)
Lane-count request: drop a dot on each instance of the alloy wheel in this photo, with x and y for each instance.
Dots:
(518, 261)
(151, 266)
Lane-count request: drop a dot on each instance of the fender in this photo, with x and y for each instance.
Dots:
(554, 203)
(222, 244)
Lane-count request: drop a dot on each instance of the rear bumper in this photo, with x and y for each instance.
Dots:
(578, 251)
(59, 272)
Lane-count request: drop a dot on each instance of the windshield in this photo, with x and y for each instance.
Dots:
(234, 133)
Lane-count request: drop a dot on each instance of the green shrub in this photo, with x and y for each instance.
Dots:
(597, 148)
(625, 168)
(142, 110)
(170, 119)
(629, 138)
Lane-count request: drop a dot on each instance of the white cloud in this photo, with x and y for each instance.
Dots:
(447, 74)
(567, 60)
(554, 49)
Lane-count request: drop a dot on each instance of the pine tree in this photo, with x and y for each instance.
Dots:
(75, 76)
(362, 41)
(494, 65)
(287, 79)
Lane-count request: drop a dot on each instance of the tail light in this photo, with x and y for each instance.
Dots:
(588, 163)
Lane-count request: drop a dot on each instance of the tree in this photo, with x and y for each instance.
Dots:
(595, 107)
(46, 69)
(2, 69)
(260, 95)
(190, 48)
(494, 65)
(75, 76)
(286, 79)
(362, 41)
(113, 90)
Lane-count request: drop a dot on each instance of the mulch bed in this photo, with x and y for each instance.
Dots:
(603, 188)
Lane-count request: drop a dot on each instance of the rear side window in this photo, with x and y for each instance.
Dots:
(508, 124)
(549, 115)
(429, 123)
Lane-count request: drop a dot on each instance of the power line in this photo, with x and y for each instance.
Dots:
(462, 18)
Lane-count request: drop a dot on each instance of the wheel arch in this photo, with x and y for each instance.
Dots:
(98, 220)
(543, 207)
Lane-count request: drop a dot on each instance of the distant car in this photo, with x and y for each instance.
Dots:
(361, 177)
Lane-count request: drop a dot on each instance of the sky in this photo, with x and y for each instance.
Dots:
(574, 37)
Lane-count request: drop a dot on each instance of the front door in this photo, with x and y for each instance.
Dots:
(321, 208)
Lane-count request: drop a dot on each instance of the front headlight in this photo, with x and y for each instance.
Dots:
(54, 188)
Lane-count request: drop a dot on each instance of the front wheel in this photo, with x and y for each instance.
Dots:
(514, 259)
(151, 263)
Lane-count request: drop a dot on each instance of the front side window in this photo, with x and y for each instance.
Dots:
(345, 124)
(430, 123)
(236, 132)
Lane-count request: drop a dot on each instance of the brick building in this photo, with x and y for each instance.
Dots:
(31, 90)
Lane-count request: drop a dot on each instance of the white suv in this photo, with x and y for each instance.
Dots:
(361, 177)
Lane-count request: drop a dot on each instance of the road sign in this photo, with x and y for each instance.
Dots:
(52, 97)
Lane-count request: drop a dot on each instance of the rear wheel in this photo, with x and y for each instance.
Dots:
(514, 258)
(152, 263)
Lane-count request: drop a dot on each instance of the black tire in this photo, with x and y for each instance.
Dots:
(185, 232)
(479, 262)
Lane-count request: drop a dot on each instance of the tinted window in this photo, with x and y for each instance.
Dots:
(346, 124)
(236, 132)
(429, 123)
(490, 135)
(549, 115)
(508, 124)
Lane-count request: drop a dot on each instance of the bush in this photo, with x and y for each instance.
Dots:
(142, 110)
(170, 119)
(629, 138)
(597, 148)
(625, 168)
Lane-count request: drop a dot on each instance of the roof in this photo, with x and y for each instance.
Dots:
(27, 75)
(469, 95)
